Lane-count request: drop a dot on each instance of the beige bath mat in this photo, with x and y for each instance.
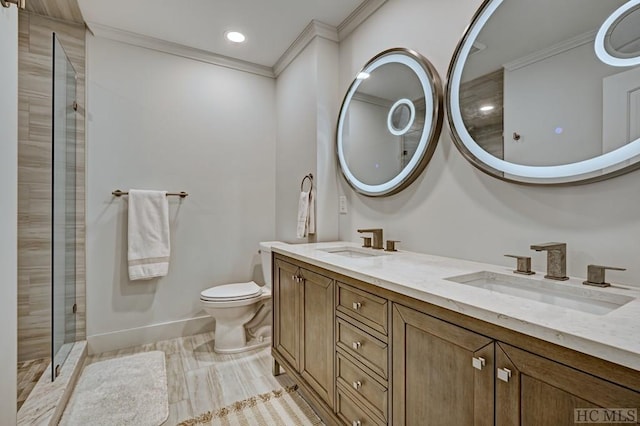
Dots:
(131, 390)
(278, 407)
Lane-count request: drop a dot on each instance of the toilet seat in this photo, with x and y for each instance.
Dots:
(231, 292)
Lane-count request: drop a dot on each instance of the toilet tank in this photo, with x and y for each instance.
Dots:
(265, 254)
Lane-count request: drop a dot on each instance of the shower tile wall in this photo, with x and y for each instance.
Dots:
(34, 179)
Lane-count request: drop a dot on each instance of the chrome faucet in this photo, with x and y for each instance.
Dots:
(377, 237)
(556, 259)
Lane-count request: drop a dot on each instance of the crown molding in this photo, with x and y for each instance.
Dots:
(552, 50)
(313, 30)
(320, 29)
(358, 16)
(177, 49)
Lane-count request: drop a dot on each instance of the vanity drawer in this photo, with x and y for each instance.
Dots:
(351, 413)
(363, 347)
(365, 307)
(372, 394)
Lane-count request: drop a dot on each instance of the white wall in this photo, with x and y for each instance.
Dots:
(546, 95)
(157, 121)
(8, 213)
(328, 99)
(452, 209)
(372, 152)
(296, 138)
(306, 109)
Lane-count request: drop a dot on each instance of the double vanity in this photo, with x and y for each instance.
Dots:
(375, 338)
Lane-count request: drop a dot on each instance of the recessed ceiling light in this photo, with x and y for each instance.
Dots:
(486, 108)
(363, 76)
(235, 36)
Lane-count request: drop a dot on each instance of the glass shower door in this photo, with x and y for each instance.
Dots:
(63, 233)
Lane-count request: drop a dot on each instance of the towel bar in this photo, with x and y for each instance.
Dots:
(181, 194)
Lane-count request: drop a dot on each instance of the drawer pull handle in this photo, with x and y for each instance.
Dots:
(504, 374)
(356, 345)
(478, 363)
(357, 385)
(357, 305)
(356, 423)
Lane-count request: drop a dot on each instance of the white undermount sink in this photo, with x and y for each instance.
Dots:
(571, 297)
(354, 252)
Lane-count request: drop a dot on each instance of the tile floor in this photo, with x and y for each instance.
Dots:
(199, 380)
(29, 373)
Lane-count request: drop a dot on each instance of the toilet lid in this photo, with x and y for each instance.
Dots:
(235, 291)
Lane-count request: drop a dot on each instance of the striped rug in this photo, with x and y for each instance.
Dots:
(279, 407)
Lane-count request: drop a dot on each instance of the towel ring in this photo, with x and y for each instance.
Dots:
(310, 177)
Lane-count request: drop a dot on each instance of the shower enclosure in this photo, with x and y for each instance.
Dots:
(63, 220)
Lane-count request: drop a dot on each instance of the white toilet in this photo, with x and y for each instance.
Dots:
(242, 311)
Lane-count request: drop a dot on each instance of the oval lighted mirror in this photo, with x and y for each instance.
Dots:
(532, 99)
(390, 122)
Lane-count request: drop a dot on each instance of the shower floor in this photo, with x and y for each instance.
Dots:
(29, 373)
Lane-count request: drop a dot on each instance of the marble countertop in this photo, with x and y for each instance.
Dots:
(614, 336)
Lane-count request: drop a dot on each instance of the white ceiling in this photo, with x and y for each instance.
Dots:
(270, 26)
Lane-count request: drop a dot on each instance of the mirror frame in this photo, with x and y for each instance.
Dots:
(428, 138)
(560, 175)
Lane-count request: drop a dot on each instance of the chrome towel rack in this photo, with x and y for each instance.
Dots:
(310, 177)
(180, 194)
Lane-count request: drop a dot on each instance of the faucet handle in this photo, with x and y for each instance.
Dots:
(366, 242)
(595, 275)
(391, 245)
(523, 265)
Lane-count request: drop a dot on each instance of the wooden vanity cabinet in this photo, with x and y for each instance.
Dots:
(532, 390)
(287, 296)
(303, 338)
(442, 373)
(362, 356)
(365, 356)
(445, 374)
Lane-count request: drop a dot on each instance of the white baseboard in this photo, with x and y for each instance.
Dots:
(121, 339)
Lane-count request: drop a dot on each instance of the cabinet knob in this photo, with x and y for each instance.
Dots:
(356, 345)
(356, 423)
(357, 306)
(357, 385)
(504, 374)
(478, 363)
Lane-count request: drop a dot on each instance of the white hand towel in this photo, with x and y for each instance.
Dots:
(149, 246)
(311, 229)
(303, 214)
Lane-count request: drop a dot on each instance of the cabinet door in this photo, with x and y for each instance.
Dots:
(287, 292)
(537, 391)
(317, 342)
(435, 379)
